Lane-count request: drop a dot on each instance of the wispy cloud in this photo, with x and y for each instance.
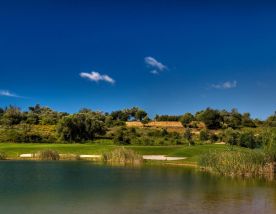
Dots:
(155, 65)
(6, 93)
(96, 77)
(226, 85)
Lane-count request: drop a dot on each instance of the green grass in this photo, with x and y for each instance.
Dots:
(13, 150)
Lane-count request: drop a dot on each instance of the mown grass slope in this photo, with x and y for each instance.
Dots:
(13, 150)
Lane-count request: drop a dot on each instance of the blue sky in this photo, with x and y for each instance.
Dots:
(167, 57)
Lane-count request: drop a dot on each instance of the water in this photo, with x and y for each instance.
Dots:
(84, 188)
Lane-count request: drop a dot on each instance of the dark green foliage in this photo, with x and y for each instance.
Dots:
(211, 118)
(186, 119)
(231, 119)
(244, 139)
(248, 140)
(43, 115)
(247, 121)
(204, 135)
(81, 126)
(231, 137)
(213, 137)
(121, 136)
(271, 120)
(167, 118)
(134, 113)
(1, 112)
(12, 116)
(189, 136)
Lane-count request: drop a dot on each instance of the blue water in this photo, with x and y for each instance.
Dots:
(76, 187)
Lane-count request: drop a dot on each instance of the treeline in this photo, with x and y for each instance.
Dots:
(219, 119)
(37, 114)
(42, 124)
(85, 125)
(212, 118)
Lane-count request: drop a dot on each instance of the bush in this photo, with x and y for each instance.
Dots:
(3, 156)
(81, 126)
(48, 155)
(231, 137)
(268, 139)
(188, 136)
(204, 135)
(121, 137)
(248, 140)
(122, 155)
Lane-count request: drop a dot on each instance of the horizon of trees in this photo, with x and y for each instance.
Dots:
(212, 118)
(86, 125)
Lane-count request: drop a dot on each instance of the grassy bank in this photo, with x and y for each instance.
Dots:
(13, 150)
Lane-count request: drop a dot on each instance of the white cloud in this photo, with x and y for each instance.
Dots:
(96, 77)
(226, 85)
(6, 93)
(154, 72)
(153, 63)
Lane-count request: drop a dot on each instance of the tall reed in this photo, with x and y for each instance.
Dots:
(3, 156)
(122, 155)
(48, 155)
(237, 163)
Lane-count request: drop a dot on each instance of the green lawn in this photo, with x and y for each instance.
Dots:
(192, 153)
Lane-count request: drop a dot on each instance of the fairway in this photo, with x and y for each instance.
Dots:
(13, 150)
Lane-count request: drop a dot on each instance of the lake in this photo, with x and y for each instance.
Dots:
(77, 187)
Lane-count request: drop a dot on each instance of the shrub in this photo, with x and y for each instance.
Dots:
(231, 137)
(247, 139)
(204, 135)
(188, 136)
(121, 137)
(48, 155)
(122, 155)
(213, 137)
(81, 126)
(3, 156)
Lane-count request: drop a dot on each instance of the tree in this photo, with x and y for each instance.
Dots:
(235, 119)
(271, 120)
(247, 121)
(204, 135)
(122, 137)
(231, 137)
(140, 115)
(1, 112)
(189, 136)
(12, 116)
(211, 118)
(186, 119)
(167, 118)
(120, 115)
(81, 126)
(248, 140)
(43, 115)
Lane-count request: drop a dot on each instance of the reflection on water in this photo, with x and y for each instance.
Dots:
(81, 187)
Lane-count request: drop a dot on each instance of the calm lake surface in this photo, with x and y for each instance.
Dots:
(29, 187)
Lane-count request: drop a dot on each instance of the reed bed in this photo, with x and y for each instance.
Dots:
(48, 154)
(3, 156)
(122, 155)
(237, 163)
